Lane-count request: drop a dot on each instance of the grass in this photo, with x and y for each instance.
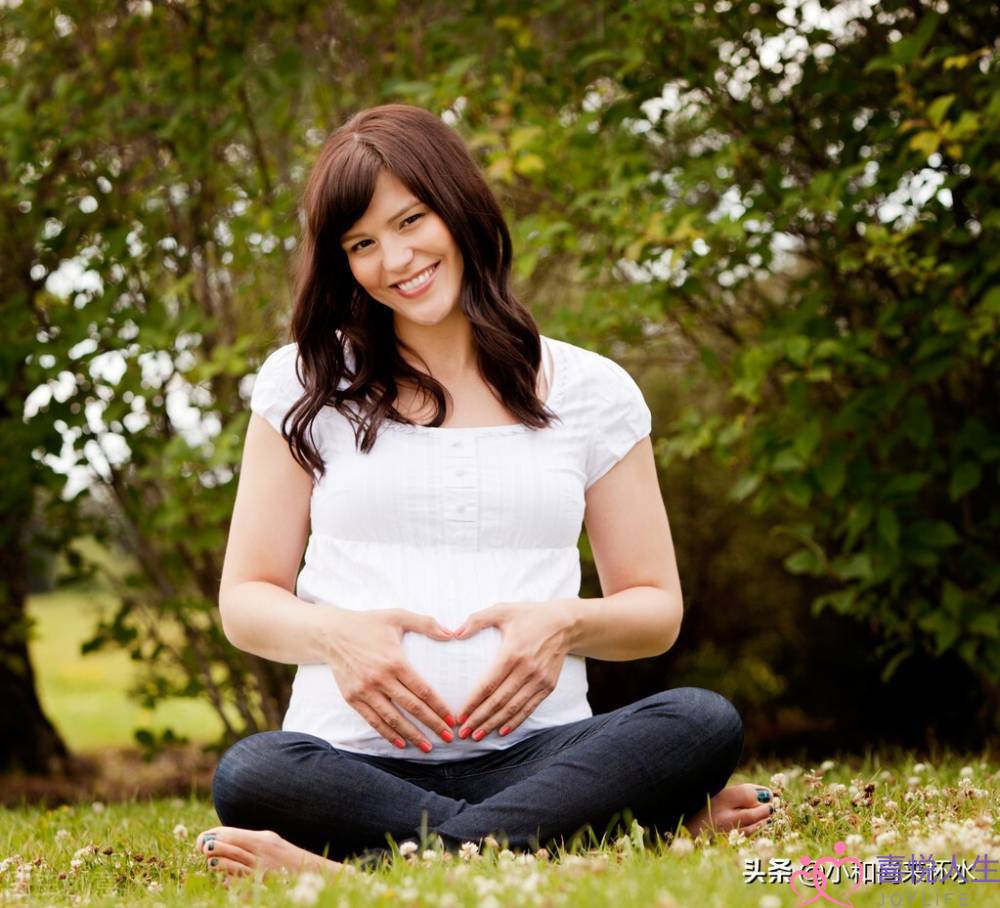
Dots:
(85, 696)
(143, 853)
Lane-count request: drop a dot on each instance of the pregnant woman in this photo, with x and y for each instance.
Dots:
(436, 458)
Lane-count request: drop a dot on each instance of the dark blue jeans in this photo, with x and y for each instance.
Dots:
(657, 760)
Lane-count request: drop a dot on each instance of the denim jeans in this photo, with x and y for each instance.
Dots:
(657, 759)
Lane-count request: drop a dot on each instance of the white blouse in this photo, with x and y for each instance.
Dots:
(447, 521)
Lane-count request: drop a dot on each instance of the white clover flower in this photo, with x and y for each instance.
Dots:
(154, 887)
(491, 842)
(408, 848)
(735, 836)
(913, 781)
(485, 886)
(75, 864)
(529, 885)
(526, 858)
(853, 840)
(506, 856)
(180, 831)
(885, 838)
(965, 772)
(429, 854)
(682, 846)
(826, 765)
(919, 767)
(468, 851)
(836, 787)
(62, 834)
(97, 807)
(308, 886)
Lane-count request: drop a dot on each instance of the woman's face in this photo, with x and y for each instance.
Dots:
(404, 256)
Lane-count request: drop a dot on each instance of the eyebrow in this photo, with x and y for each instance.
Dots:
(347, 237)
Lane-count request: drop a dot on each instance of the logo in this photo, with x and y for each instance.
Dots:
(813, 876)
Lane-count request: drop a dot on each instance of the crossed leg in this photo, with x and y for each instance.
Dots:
(669, 752)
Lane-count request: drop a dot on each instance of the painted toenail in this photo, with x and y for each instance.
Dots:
(214, 862)
(211, 845)
(772, 808)
(763, 795)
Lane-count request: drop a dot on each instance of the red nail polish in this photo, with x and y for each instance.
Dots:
(400, 743)
(447, 735)
(450, 720)
(505, 730)
(425, 746)
(479, 735)
(462, 718)
(464, 733)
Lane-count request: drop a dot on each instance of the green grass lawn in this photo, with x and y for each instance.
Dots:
(85, 696)
(143, 853)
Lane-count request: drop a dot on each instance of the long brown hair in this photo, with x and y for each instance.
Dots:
(332, 309)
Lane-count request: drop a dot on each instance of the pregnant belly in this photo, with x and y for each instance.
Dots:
(453, 668)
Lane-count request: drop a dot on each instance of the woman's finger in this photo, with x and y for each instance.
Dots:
(379, 712)
(422, 690)
(404, 697)
(495, 677)
(507, 727)
(510, 698)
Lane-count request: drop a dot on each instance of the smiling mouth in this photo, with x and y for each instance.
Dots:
(416, 282)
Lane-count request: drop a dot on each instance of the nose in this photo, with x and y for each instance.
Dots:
(396, 257)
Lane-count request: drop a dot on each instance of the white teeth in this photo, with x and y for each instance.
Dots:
(415, 282)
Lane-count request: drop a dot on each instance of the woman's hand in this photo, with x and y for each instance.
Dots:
(365, 651)
(536, 640)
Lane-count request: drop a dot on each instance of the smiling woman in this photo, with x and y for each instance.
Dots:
(438, 604)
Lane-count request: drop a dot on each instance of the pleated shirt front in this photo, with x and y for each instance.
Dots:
(447, 521)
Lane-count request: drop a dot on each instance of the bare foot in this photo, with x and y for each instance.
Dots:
(735, 807)
(239, 852)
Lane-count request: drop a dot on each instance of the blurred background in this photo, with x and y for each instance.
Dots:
(783, 218)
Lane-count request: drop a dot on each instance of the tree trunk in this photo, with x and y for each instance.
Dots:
(28, 740)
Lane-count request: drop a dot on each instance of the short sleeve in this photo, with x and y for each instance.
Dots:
(277, 386)
(620, 417)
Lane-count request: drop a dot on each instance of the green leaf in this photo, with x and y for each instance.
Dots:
(786, 461)
(888, 527)
(807, 438)
(854, 567)
(745, 486)
(952, 598)
(926, 142)
(985, 624)
(966, 476)
(938, 108)
(803, 561)
(931, 534)
(907, 49)
(831, 475)
(798, 491)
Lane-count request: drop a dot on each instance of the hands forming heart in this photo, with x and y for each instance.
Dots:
(536, 641)
(366, 655)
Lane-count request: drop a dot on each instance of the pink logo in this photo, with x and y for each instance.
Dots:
(813, 876)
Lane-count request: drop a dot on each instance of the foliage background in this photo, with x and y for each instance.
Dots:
(780, 217)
